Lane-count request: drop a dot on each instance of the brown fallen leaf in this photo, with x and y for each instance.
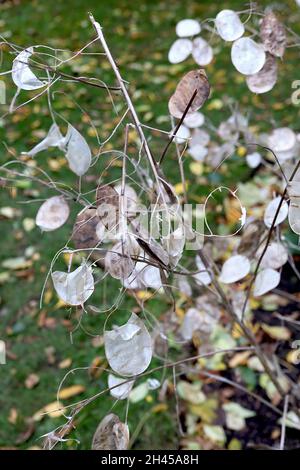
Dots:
(13, 416)
(71, 391)
(27, 433)
(195, 80)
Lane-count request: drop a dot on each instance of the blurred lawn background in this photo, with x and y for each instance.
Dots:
(38, 341)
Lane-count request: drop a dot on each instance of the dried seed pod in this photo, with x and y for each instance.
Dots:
(118, 262)
(22, 75)
(229, 25)
(202, 52)
(273, 35)
(195, 80)
(107, 201)
(266, 280)
(247, 56)
(180, 50)
(234, 269)
(84, 231)
(264, 80)
(294, 215)
(251, 238)
(107, 194)
(128, 348)
(271, 212)
(78, 152)
(188, 27)
(76, 287)
(111, 434)
(52, 214)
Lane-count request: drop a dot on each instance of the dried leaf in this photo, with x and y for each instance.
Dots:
(236, 415)
(71, 391)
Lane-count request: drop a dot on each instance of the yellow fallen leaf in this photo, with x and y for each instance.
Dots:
(196, 168)
(241, 151)
(277, 332)
(52, 410)
(69, 392)
(239, 359)
(160, 408)
(144, 295)
(179, 188)
(215, 104)
(65, 363)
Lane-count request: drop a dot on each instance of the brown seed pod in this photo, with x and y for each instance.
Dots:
(111, 434)
(273, 35)
(264, 80)
(195, 80)
(84, 231)
(107, 194)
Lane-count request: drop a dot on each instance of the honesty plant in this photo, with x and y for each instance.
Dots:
(135, 229)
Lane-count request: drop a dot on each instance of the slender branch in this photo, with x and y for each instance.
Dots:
(126, 95)
(268, 238)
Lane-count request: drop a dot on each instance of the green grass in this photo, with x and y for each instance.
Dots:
(139, 35)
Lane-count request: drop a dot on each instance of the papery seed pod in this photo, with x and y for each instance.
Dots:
(273, 35)
(266, 280)
(247, 56)
(52, 214)
(22, 75)
(196, 80)
(111, 434)
(75, 287)
(264, 80)
(118, 262)
(202, 52)
(187, 27)
(84, 231)
(180, 50)
(229, 25)
(128, 348)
